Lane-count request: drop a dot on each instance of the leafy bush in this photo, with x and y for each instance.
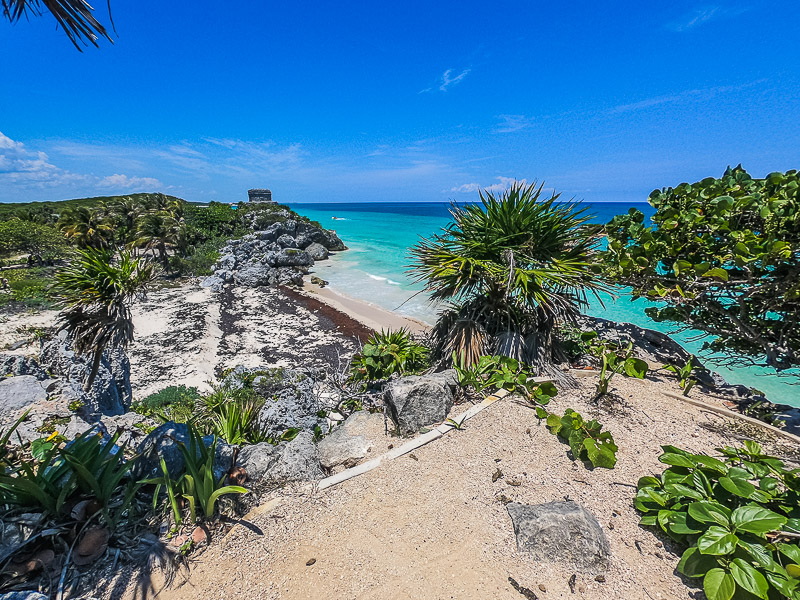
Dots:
(503, 372)
(613, 360)
(737, 513)
(236, 421)
(586, 439)
(387, 353)
(722, 257)
(173, 403)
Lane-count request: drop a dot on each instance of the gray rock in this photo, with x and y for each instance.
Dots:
(317, 251)
(561, 532)
(258, 459)
(448, 378)
(213, 282)
(163, 442)
(288, 276)
(285, 241)
(25, 595)
(649, 345)
(291, 402)
(293, 257)
(20, 392)
(110, 393)
(298, 461)
(254, 275)
(227, 262)
(416, 401)
(16, 364)
(347, 445)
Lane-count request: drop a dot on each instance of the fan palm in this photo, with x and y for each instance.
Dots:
(509, 268)
(74, 16)
(158, 231)
(88, 228)
(126, 213)
(96, 294)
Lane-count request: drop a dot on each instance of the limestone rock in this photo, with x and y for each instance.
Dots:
(416, 401)
(317, 251)
(16, 364)
(561, 532)
(298, 460)
(253, 275)
(23, 595)
(258, 459)
(347, 444)
(293, 257)
(291, 401)
(20, 392)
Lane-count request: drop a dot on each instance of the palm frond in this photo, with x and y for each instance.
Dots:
(75, 17)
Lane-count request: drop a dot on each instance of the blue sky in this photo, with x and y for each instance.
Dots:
(415, 101)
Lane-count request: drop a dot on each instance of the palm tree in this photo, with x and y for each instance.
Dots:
(74, 16)
(88, 228)
(509, 268)
(96, 294)
(126, 212)
(158, 231)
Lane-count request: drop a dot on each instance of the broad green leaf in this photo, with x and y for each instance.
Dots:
(793, 570)
(791, 551)
(677, 460)
(747, 577)
(738, 487)
(694, 563)
(710, 512)
(719, 585)
(683, 490)
(717, 541)
(756, 519)
(757, 552)
(677, 523)
(648, 481)
(710, 462)
(717, 273)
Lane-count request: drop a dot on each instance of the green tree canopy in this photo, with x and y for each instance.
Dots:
(25, 237)
(723, 256)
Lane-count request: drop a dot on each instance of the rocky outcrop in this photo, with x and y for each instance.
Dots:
(279, 255)
(16, 364)
(561, 532)
(416, 401)
(110, 393)
(652, 346)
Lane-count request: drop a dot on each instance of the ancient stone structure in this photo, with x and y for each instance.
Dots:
(259, 195)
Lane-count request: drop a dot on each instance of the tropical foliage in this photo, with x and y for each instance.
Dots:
(614, 359)
(510, 268)
(722, 257)
(586, 439)
(96, 293)
(387, 353)
(737, 513)
(75, 17)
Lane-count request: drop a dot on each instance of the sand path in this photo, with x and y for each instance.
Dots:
(434, 526)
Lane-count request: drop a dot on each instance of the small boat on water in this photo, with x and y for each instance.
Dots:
(337, 218)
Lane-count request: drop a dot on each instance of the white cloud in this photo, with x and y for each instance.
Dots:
(512, 123)
(684, 96)
(702, 15)
(503, 183)
(123, 182)
(23, 167)
(447, 80)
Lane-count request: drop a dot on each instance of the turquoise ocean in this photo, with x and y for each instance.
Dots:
(379, 235)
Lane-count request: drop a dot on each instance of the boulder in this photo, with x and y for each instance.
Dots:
(347, 444)
(213, 282)
(293, 257)
(561, 532)
(110, 393)
(163, 442)
(23, 595)
(291, 401)
(285, 241)
(297, 461)
(16, 364)
(253, 275)
(652, 346)
(257, 459)
(227, 262)
(317, 251)
(416, 401)
(20, 392)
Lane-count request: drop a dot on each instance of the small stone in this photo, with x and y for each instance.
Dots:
(600, 578)
(542, 587)
(199, 535)
(582, 589)
(310, 561)
(515, 482)
(497, 475)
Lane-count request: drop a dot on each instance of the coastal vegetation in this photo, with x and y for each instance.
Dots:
(737, 515)
(723, 258)
(387, 353)
(509, 269)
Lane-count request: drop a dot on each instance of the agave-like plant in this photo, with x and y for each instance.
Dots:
(96, 292)
(509, 268)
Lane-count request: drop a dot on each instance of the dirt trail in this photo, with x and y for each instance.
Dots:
(434, 526)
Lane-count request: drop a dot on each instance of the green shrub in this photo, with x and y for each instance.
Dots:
(738, 514)
(387, 353)
(174, 403)
(614, 359)
(502, 372)
(586, 439)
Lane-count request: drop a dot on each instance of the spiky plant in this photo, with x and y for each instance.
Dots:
(509, 268)
(96, 293)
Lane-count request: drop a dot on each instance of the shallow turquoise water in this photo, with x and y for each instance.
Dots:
(374, 269)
